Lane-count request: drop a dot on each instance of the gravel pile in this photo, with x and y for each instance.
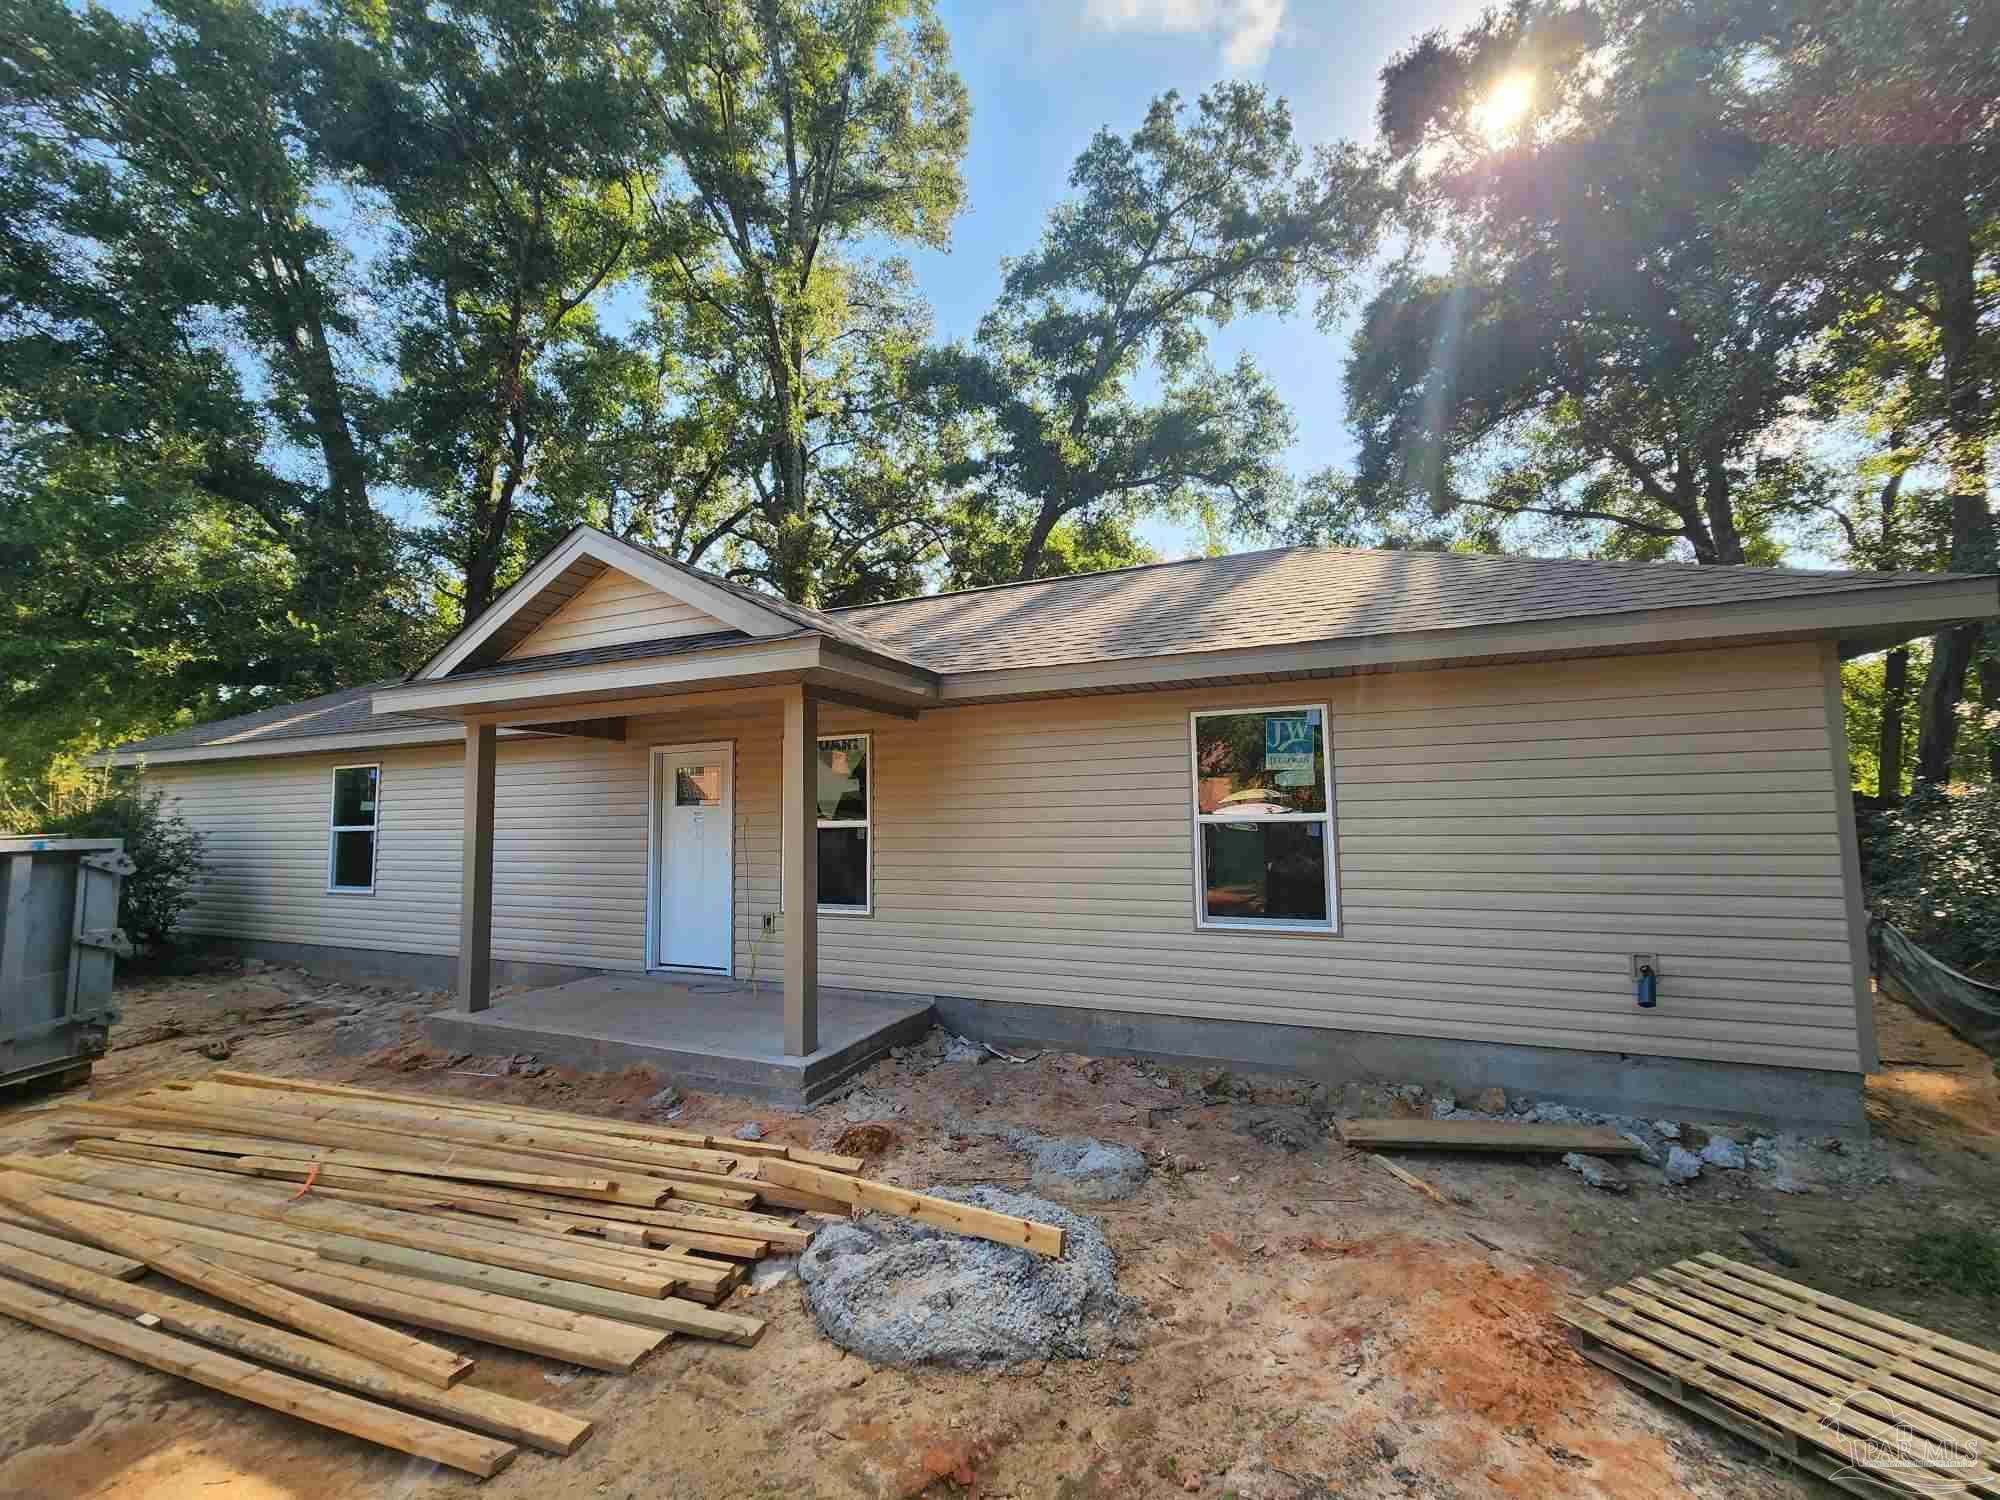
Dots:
(897, 1292)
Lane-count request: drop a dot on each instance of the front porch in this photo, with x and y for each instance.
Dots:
(719, 1034)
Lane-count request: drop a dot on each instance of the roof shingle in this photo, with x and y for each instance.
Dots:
(1296, 595)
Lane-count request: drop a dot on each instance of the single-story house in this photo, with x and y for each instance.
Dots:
(1400, 814)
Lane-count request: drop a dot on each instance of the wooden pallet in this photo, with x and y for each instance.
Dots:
(1873, 1404)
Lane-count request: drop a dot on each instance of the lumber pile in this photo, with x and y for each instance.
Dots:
(1869, 1402)
(334, 1212)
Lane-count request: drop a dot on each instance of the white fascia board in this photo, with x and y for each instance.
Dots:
(718, 665)
(377, 739)
(1919, 607)
(730, 608)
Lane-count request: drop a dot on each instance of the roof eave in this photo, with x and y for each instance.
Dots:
(1901, 610)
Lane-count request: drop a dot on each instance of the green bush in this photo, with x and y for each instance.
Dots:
(1965, 1260)
(166, 849)
(1933, 867)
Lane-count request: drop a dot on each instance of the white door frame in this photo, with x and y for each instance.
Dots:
(656, 848)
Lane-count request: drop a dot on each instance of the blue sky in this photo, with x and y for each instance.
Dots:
(1044, 75)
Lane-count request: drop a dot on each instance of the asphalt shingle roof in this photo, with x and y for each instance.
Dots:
(1303, 594)
(1279, 597)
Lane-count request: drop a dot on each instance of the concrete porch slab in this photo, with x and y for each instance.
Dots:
(717, 1035)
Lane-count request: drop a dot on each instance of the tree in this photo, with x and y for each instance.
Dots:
(503, 139)
(1592, 368)
(172, 542)
(789, 137)
(1879, 177)
(1192, 221)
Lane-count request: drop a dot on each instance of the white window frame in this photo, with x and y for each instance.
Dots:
(867, 909)
(1331, 926)
(334, 830)
(867, 824)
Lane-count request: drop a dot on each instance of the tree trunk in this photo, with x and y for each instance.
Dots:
(1972, 548)
(1889, 752)
(1726, 541)
(1989, 694)
(1035, 550)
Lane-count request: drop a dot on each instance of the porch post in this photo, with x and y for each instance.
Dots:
(800, 760)
(475, 928)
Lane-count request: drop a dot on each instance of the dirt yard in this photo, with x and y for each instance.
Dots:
(1314, 1327)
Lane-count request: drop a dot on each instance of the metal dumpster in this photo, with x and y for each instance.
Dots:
(59, 937)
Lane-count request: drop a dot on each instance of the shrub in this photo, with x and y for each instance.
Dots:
(1933, 868)
(166, 849)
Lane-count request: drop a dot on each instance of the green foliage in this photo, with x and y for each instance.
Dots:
(1933, 868)
(1966, 1261)
(1194, 220)
(1591, 373)
(166, 849)
(790, 139)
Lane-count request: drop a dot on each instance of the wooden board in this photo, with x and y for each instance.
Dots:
(345, 1330)
(1484, 1135)
(1874, 1404)
(862, 1195)
(526, 1114)
(403, 1431)
(484, 1411)
(84, 1257)
(674, 1313)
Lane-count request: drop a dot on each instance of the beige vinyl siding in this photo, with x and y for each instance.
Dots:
(1506, 838)
(612, 609)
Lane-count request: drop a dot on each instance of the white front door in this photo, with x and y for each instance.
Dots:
(693, 797)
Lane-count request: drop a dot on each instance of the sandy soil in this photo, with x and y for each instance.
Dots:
(1316, 1328)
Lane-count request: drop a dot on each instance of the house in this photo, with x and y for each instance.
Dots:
(1400, 814)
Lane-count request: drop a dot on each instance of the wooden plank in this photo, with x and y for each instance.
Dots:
(553, 1255)
(559, 1119)
(643, 1190)
(484, 1411)
(1410, 1180)
(513, 1322)
(1484, 1135)
(674, 1313)
(83, 1257)
(1634, 1358)
(1770, 1338)
(879, 1197)
(407, 1166)
(477, 1130)
(402, 1431)
(1913, 1362)
(345, 1330)
(1970, 1353)
(1816, 1398)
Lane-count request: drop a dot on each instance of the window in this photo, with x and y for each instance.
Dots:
(1263, 820)
(350, 852)
(844, 806)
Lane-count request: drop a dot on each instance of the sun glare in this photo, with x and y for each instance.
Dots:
(1506, 104)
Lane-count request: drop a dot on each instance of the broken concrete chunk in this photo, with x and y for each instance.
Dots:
(1081, 1165)
(1596, 1172)
(1682, 1165)
(667, 1098)
(751, 1132)
(1721, 1151)
(1671, 1129)
(963, 1050)
(1491, 1101)
(1287, 1129)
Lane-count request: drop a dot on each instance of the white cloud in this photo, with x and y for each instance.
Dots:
(1246, 28)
